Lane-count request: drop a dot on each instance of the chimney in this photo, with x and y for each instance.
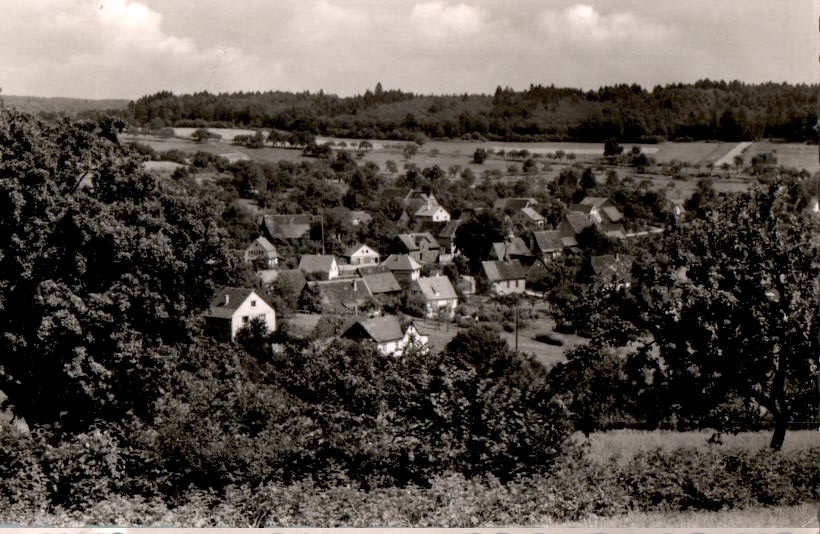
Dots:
(227, 299)
(355, 285)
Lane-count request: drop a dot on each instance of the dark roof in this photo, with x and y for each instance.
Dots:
(428, 210)
(435, 288)
(514, 204)
(401, 262)
(531, 214)
(512, 247)
(547, 241)
(612, 213)
(577, 221)
(316, 263)
(412, 241)
(379, 329)
(343, 293)
(227, 300)
(379, 283)
(497, 271)
(449, 230)
(594, 201)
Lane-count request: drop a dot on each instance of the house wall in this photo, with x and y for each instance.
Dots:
(508, 287)
(247, 309)
(445, 308)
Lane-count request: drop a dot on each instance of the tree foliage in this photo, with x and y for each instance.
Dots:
(104, 267)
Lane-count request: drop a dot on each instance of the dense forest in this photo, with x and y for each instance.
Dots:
(677, 112)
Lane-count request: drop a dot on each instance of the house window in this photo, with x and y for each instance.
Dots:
(245, 318)
(253, 303)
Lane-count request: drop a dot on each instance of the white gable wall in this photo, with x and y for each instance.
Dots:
(252, 307)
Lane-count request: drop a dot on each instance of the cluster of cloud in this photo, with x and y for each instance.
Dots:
(127, 48)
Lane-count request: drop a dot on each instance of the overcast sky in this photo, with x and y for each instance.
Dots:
(126, 49)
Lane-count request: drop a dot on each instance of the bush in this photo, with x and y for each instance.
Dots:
(549, 339)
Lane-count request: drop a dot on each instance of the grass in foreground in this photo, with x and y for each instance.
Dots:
(800, 516)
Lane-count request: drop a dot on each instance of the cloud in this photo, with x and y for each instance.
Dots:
(325, 23)
(438, 20)
(584, 26)
(110, 48)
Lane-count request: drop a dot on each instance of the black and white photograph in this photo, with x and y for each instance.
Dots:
(473, 264)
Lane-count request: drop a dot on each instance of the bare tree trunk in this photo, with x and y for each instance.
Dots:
(780, 425)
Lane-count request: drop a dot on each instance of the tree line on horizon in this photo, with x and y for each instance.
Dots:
(704, 110)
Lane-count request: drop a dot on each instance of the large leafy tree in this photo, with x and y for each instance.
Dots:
(102, 267)
(721, 315)
(475, 236)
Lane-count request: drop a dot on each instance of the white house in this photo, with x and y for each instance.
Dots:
(361, 255)
(432, 212)
(387, 334)
(440, 298)
(505, 277)
(234, 307)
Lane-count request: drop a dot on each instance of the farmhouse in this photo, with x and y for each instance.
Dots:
(573, 224)
(440, 299)
(387, 334)
(504, 277)
(234, 307)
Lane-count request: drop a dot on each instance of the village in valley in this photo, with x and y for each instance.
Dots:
(423, 263)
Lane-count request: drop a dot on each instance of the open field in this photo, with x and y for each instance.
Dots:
(793, 155)
(449, 153)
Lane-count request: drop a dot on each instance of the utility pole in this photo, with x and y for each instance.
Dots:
(322, 223)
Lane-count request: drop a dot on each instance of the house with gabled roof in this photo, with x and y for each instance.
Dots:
(235, 307)
(547, 244)
(529, 218)
(431, 212)
(261, 251)
(600, 210)
(388, 335)
(421, 246)
(403, 267)
(512, 248)
(447, 237)
(573, 224)
(504, 277)
(514, 204)
(439, 296)
(383, 286)
(360, 254)
(319, 265)
(345, 296)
